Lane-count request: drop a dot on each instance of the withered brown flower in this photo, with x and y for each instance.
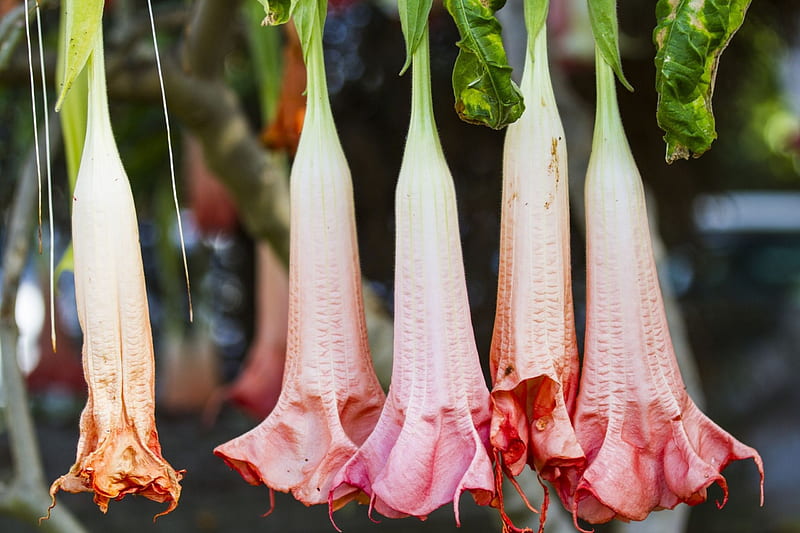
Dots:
(118, 448)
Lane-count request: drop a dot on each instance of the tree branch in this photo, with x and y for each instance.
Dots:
(208, 37)
(26, 497)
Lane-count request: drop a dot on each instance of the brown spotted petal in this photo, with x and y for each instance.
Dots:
(647, 444)
(430, 444)
(534, 355)
(118, 448)
(330, 399)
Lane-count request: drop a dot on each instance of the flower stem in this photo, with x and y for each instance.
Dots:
(318, 101)
(423, 123)
(608, 123)
(98, 112)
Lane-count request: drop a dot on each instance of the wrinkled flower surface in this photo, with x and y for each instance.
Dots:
(534, 355)
(118, 448)
(647, 444)
(330, 399)
(430, 443)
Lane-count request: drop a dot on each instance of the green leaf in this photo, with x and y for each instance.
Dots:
(484, 91)
(66, 263)
(277, 11)
(689, 37)
(264, 45)
(413, 21)
(73, 108)
(73, 124)
(603, 16)
(83, 19)
(535, 17)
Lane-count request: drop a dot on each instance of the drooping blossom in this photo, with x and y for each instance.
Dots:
(430, 444)
(212, 208)
(534, 355)
(118, 448)
(330, 399)
(647, 444)
(258, 386)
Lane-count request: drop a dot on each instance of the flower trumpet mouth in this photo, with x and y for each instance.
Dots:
(122, 465)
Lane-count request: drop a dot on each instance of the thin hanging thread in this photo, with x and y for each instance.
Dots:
(35, 121)
(49, 181)
(171, 161)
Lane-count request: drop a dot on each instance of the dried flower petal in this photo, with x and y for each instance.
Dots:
(534, 356)
(430, 443)
(648, 445)
(330, 398)
(118, 449)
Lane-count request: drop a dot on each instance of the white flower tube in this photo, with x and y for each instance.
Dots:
(118, 449)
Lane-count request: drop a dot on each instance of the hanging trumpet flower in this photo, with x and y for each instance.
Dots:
(118, 449)
(331, 398)
(430, 443)
(647, 444)
(534, 355)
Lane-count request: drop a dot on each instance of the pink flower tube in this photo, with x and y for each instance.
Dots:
(430, 444)
(647, 444)
(330, 399)
(534, 356)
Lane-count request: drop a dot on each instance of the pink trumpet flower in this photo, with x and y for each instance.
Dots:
(118, 449)
(330, 399)
(534, 355)
(430, 444)
(647, 444)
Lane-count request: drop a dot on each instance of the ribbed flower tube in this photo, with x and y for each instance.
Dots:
(430, 444)
(647, 444)
(534, 355)
(330, 398)
(118, 448)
